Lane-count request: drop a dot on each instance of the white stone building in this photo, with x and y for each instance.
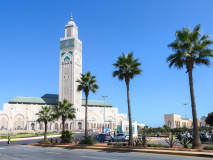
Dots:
(19, 113)
(175, 121)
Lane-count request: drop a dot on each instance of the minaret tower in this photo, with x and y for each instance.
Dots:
(70, 66)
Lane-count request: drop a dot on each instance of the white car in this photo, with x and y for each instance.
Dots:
(121, 137)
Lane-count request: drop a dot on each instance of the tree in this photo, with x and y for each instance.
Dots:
(65, 110)
(45, 115)
(128, 68)
(209, 119)
(191, 49)
(166, 128)
(87, 83)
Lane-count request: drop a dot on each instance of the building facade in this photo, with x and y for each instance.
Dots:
(175, 121)
(20, 112)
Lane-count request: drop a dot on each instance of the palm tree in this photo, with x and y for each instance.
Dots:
(166, 128)
(128, 68)
(87, 83)
(65, 110)
(191, 49)
(45, 115)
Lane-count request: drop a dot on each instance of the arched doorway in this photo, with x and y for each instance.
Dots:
(56, 126)
(79, 125)
(32, 126)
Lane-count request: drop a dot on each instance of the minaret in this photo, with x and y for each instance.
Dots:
(70, 66)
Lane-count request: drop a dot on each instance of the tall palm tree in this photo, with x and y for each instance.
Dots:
(87, 83)
(45, 115)
(191, 49)
(128, 68)
(65, 110)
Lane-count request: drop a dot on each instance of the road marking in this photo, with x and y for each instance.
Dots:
(54, 152)
(98, 158)
(30, 150)
(15, 158)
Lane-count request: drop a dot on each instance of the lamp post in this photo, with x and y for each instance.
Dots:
(104, 113)
(185, 104)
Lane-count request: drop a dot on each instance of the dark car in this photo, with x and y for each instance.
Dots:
(104, 137)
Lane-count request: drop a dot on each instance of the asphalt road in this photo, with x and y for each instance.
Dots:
(22, 152)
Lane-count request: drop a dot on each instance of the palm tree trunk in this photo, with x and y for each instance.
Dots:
(86, 133)
(63, 124)
(45, 131)
(196, 137)
(131, 141)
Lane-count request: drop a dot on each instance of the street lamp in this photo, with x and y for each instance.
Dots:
(104, 113)
(185, 104)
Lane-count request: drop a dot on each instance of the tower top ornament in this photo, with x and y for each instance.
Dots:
(71, 17)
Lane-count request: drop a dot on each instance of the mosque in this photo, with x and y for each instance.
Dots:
(20, 112)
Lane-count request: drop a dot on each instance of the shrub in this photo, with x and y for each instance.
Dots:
(109, 143)
(117, 144)
(144, 140)
(51, 140)
(125, 144)
(171, 141)
(157, 145)
(185, 142)
(75, 139)
(36, 134)
(208, 147)
(149, 145)
(90, 140)
(66, 136)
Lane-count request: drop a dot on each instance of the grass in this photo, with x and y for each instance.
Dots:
(208, 148)
(26, 135)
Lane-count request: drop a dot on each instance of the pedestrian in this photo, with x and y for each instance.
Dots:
(158, 135)
(8, 140)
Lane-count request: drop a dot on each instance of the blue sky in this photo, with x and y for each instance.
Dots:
(30, 33)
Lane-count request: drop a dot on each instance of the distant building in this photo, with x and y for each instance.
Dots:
(175, 121)
(203, 117)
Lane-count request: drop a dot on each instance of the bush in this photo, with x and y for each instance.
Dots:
(109, 143)
(117, 144)
(208, 147)
(51, 140)
(125, 144)
(66, 136)
(37, 134)
(90, 140)
(75, 139)
(185, 142)
(157, 145)
(171, 141)
(22, 133)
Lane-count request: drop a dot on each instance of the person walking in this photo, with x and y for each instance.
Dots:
(158, 135)
(8, 140)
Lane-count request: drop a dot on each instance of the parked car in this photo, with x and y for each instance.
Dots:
(204, 136)
(104, 137)
(121, 137)
(55, 131)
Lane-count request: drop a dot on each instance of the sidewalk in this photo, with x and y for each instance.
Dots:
(170, 152)
(29, 138)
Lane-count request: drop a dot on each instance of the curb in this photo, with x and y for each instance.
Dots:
(131, 150)
(27, 139)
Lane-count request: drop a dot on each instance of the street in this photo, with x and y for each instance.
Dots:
(22, 152)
